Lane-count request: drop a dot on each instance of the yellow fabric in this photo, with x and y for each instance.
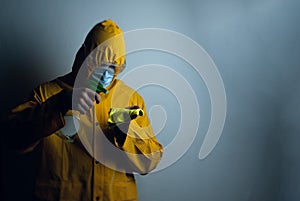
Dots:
(105, 44)
(67, 171)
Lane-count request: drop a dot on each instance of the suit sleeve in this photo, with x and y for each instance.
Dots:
(142, 148)
(34, 119)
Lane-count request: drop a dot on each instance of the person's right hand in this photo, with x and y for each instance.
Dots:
(83, 99)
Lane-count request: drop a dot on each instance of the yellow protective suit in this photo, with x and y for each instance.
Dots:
(67, 170)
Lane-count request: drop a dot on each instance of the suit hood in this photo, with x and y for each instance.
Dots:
(103, 44)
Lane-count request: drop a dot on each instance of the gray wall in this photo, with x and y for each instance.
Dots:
(254, 44)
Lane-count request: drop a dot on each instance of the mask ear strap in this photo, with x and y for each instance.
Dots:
(120, 67)
(123, 66)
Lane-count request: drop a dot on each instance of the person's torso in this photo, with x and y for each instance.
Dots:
(67, 168)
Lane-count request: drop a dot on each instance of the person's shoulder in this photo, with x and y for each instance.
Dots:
(47, 89)
(123, 88)
(123, 85)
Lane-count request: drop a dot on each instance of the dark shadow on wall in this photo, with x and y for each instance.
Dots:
(19, 75)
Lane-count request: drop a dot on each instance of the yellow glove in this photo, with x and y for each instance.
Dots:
(122, 115)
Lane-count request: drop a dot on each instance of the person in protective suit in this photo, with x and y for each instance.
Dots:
(98, 162)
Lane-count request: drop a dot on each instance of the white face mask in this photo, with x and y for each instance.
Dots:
(103, 75)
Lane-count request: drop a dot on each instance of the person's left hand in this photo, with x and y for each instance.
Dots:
(121, 129)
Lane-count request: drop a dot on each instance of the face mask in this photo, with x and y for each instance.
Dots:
(103, 75)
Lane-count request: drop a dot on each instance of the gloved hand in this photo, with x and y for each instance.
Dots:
(83, 99)
(123, 115)
(119, 120)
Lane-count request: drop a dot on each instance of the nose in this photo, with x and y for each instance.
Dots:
(104, 75)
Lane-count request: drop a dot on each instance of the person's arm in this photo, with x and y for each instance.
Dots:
(139, 142)
(144, 150)
(43, 114)
(34, 119)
